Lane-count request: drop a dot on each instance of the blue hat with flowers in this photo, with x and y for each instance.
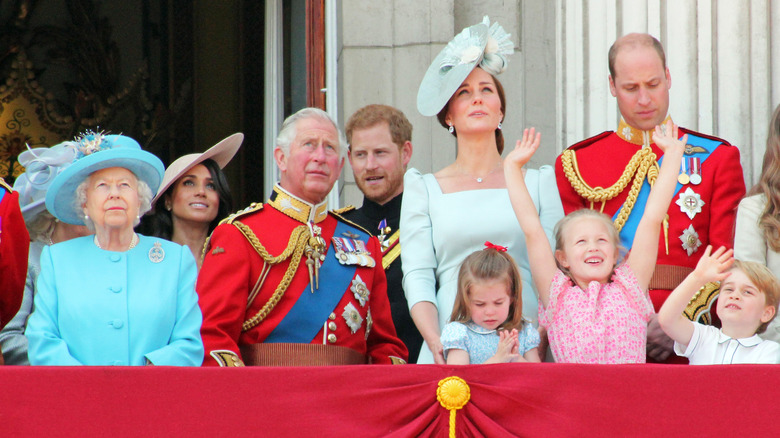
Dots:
(42, 165)
(483, 45)
(96, 151)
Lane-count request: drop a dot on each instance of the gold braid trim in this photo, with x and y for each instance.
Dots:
(295, 248)
(642, 163)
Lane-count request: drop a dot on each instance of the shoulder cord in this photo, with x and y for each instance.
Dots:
(642, 163)
(295, 247)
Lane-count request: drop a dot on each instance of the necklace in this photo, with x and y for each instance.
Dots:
(478, 179)
(133, 242)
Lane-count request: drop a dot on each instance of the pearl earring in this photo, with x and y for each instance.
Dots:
(452, 129)
(168, 207)
(499, 126)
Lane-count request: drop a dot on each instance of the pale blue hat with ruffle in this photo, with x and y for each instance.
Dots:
(483, 45)
(42, 165)
(96, 151)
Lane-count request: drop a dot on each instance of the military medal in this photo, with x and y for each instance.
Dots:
(369, 323)
(691, 149)
(156, 254)
(352, 317)
(683, 178)
(350, 234)
(315, 254)
(690, 203)
(694, 164)
(352, 252)
(360, 290)
(690, 240)
(384, 234)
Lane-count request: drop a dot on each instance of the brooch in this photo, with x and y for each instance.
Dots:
(156, 254)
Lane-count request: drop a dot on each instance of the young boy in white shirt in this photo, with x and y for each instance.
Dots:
(747, 302)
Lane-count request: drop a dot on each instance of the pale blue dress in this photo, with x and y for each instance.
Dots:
(439, 230)
(480, 343)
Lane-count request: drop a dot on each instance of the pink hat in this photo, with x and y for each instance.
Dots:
(221, 153)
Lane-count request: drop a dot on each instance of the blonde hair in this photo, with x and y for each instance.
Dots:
(487, 265)
(41, 227)
(765, 281)
(563, 225)
(769, 185)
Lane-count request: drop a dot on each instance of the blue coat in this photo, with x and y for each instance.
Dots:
(97, 307)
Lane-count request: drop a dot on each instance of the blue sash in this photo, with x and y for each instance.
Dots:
(311, 311)
(629, 228)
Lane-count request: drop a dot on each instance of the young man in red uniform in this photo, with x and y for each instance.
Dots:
(289, 283)
(606, 172)
(14, 244)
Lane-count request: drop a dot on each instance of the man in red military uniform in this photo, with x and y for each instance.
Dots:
(289, 283)
(14, 244)
(607, 171)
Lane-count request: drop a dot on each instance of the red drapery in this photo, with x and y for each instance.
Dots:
(363, 401)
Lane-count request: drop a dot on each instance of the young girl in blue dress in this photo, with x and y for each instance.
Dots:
(487, 323)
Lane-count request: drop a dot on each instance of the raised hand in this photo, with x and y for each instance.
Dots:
(714, 266)
(524, 149)
(666, 137)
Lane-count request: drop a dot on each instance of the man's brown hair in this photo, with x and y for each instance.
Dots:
(371, 115)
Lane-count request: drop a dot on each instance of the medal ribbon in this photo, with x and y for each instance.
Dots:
(629, 228)
(305, 319)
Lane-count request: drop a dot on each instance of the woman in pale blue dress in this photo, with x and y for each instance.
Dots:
(447, 215)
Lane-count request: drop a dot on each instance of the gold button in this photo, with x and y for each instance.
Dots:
(332, 325)
(331, 338)
(332, 316)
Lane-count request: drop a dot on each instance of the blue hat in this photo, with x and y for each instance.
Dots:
(42, 165)
(96, 151)
(480, 45)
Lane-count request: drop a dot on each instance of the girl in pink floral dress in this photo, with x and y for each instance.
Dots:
(595, 310)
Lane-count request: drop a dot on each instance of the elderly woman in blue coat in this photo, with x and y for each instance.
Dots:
(115, 298)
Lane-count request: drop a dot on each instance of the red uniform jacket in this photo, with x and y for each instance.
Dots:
(231, 269)
(14, 245)
(603, 158)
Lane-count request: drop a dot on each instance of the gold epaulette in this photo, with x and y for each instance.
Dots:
(6, 186)
(343, 210)
(253, 207)
(338, 216)
(700, 306)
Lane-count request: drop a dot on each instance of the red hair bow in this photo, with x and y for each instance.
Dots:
(498, 248)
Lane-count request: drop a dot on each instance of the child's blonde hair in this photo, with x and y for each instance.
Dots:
(765, 281)
(570, 218)
(487, 265)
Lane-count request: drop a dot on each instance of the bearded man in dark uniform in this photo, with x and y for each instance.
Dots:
(613, 172)
(380, 147)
